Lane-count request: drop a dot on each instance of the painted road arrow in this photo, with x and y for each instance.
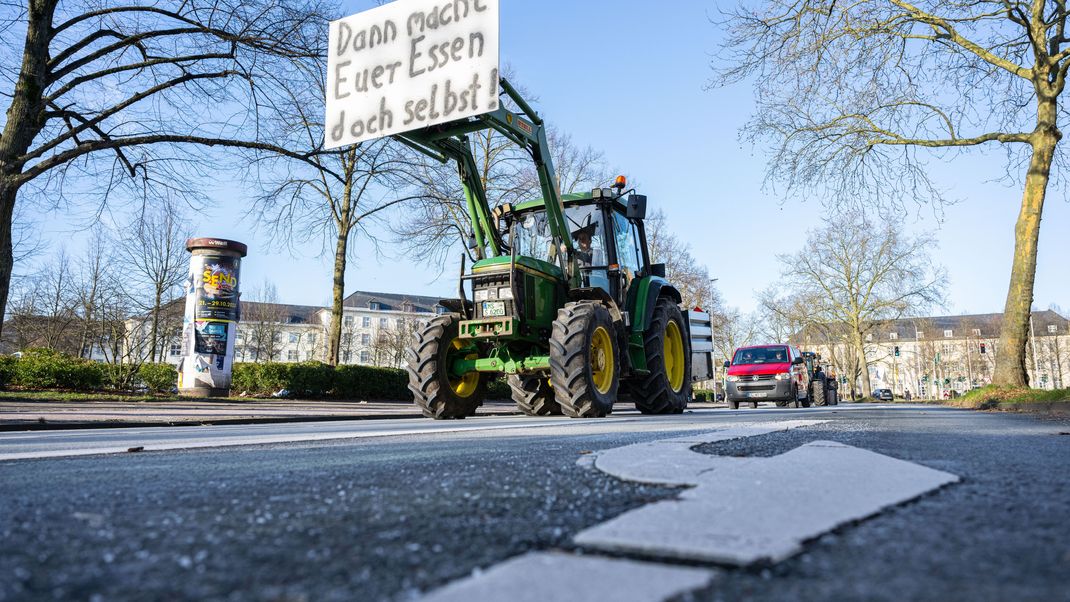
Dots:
(741, 511)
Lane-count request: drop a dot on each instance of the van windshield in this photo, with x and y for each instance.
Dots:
(761, 355)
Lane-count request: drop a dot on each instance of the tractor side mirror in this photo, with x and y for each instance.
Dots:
(636, 206)
(657, 269)
(727, 364)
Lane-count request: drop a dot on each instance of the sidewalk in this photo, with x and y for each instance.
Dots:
(45, 415)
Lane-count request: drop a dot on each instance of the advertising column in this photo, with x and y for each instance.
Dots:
(210, 325)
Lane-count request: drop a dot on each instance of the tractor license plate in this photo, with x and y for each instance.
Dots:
(493, 309)
(757, 395)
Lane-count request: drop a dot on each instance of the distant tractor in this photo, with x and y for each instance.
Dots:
(565, 302)
(824, 391)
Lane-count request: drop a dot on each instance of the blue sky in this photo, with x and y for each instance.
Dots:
(627, 77)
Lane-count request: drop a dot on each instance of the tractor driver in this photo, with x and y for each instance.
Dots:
(588, 255)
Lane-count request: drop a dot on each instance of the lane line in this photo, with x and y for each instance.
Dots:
(741, 511)
(542, 577)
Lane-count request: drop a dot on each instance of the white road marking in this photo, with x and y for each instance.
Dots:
(216, 437)
(539, 577)
(744, 510)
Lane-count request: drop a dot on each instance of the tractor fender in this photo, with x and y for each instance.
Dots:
(597, 294)
(647, 292)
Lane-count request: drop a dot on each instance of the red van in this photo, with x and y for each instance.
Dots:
(767, 373)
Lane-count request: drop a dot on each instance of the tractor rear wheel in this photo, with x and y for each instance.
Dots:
(817, 392)
(533, 395)
(439, 393)
(584, 360)
(667, 388)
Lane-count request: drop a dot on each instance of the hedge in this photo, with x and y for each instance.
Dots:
(45, 369)
(159, 378)
(315, 379)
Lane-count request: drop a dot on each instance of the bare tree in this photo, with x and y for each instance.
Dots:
(333, 195)
(100, 93)
(152, 253)
(389, 344)
(90, 284)
(855, 274)
(46, 307)
(854, 97)
(262, 323)
(733, 330)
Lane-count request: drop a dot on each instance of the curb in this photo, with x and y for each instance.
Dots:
(65, 426)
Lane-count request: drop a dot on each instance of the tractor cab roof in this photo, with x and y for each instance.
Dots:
(580, 198)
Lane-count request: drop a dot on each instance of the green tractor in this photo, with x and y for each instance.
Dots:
(564, 298)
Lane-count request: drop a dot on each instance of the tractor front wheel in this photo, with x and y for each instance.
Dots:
(439, 393)
(667, 388)
(584, 360)
(533, 395)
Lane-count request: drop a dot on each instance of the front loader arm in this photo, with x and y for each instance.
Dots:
(449, 142)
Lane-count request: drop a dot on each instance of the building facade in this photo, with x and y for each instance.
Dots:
(946, 355)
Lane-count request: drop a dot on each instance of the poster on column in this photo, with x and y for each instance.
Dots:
(217, 279)
(410, 64)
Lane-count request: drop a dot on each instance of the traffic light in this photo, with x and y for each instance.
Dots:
(982, 348)
(897, 351)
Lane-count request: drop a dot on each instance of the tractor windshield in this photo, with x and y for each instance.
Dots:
(585, 224)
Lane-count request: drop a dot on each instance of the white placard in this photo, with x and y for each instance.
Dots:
(410, 64)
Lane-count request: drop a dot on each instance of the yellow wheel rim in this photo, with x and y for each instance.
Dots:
(602, 360)
(464, 386)
(674, 356)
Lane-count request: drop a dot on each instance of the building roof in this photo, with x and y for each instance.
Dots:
(933, 327)
(255, 311)
(392, 302)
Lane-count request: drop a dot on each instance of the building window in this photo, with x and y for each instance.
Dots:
(366, 322)
(294, 337)
(948, 334)
(348, 320)
(347, 338)
(921, 334)
(347, 357)
(291, 355)
(365, 357)
(375, 306)
(1053, 329)
(312, 338)
(365, 339)
(869, 337)
(308, 356)
(439, 309)
(383, 322)
(893, 336)
(946, 349)
(976, 332)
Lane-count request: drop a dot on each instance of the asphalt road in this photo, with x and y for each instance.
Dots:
(388, 511)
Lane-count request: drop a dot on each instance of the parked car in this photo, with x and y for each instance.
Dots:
(883, 394)
(767, 373)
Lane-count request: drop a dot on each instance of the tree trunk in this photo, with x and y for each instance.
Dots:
(1011, 369)
(25, 118)
(337, 296)
(154, 329)
(863, 365)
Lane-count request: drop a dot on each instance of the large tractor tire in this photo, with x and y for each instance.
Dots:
(584, 360)
(667, 389)
(437, 393)
(818, 393)
(533, 395)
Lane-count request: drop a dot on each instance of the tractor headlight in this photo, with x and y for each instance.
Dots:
(505, 293)
(482, 294)
(784, 376)
(733, 379)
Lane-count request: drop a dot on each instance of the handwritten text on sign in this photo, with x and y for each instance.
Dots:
(410, 64)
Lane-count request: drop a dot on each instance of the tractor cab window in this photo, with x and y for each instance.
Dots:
(588, 238)
(533, 237)
(627, 248)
